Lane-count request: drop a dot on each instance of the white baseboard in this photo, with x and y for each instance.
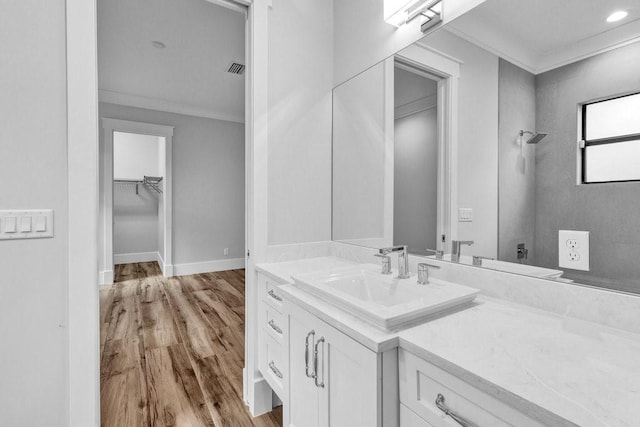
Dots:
(135, 257)
(207, 266)
(106, 277)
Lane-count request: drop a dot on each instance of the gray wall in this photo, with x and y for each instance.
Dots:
(135, 216)
(135, 219)
(608, 211)
(208, 183)
(33, 173)
(516, 164)
(415, 193)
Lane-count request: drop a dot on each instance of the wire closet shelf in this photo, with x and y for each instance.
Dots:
(151, 182)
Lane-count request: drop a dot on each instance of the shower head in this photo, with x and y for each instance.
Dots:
(535, 137)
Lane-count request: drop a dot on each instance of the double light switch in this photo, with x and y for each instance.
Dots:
(27, 224)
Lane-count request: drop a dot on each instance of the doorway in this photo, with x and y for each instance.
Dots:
(136, 204)
(416, 153)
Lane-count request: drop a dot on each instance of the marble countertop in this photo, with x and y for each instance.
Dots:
(581, 371)
(554, 367)
(282, 271)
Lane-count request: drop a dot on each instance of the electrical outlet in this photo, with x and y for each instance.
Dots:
(573, 249)
(573, 244)
(226, 251)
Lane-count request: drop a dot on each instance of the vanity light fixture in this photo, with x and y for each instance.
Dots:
(617, 16)
(431, 10)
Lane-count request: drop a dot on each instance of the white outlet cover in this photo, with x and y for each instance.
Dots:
(573, 249)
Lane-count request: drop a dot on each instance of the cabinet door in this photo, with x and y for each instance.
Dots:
(350, 377)
(303, 393)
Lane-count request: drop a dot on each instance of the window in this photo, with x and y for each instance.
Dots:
(611, 135)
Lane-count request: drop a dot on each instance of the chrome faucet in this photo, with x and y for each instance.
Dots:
(455, 248)
(403, 259)
(386, 263)
(477, 260)
(437, 252)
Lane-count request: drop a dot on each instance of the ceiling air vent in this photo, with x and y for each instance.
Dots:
(236, 68)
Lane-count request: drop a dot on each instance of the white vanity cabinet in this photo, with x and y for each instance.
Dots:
(273, 337)
(422, 382)
(333, 380)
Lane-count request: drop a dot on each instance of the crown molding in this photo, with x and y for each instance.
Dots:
(157, 104)
(503, 47)
(416, 106)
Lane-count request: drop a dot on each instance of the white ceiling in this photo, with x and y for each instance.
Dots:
(540, 35)
(188, 76)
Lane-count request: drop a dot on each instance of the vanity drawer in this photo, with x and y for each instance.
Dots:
(269, 292)
(274, 323)
(408, 418)
(422, 382)
(273, 364)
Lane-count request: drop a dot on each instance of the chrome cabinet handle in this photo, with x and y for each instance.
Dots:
(274, 296)
(275, 370)
(275, 327)
(315, 362)
(306, 355)
(457, 418)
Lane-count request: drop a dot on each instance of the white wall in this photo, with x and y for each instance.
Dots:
(362, 38)
(300, 83)
(135, 156)
(477, 140)
(135, 216)
(208, 183)
(33, 169)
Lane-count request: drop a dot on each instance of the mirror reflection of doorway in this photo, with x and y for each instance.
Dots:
(416, 154)
(138, 183)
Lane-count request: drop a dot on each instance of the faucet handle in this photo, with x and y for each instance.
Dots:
(437, 252)
(386, 263)
(423, 272)
(477, 260)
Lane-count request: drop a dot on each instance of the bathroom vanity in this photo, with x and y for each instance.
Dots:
(486, 362)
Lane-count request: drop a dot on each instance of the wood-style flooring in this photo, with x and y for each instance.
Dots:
(172, 350)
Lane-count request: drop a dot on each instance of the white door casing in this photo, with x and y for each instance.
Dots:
(109, 126)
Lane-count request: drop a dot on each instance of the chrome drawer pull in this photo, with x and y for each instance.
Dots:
(306, 355)
(457, 418)
(275, 327)
(315, 363)
(274, 296)
(275, 370)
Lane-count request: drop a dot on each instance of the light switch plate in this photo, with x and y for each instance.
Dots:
(9, 224)
(573, 249)
(26, 224)
(465, 215)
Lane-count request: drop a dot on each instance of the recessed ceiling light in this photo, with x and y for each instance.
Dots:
(158, 45)
(617, 16)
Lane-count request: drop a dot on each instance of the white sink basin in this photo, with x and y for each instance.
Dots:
(383, 300)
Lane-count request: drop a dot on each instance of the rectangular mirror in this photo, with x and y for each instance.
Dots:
(532, 139)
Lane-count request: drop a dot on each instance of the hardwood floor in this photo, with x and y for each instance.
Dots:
(172, 350)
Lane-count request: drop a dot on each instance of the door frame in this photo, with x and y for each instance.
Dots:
(83, 387)
(109, 126)
(448, 69)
